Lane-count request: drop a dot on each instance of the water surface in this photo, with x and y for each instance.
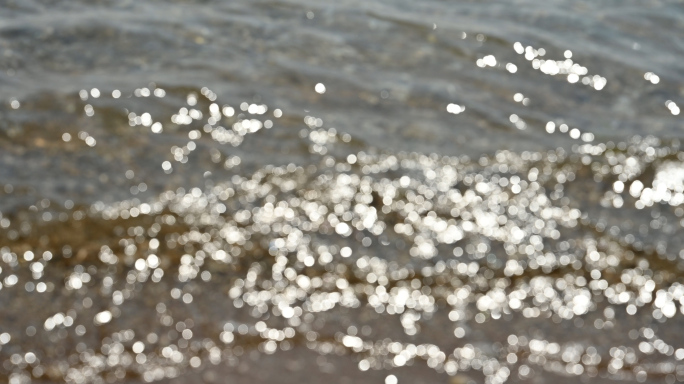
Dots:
(292, 191)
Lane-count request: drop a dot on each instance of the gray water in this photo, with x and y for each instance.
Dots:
(375, 192)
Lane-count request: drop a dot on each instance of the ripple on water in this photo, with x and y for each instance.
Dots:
(508, 266)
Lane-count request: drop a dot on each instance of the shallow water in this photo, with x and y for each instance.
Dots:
(287, 191)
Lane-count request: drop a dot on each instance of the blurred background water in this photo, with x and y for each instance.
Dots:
(350, 191)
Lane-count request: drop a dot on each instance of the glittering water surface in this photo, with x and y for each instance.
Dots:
(358, 192)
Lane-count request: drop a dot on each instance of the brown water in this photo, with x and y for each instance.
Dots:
(200, 191)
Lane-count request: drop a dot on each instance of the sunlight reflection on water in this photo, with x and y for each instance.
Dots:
(440, 199)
